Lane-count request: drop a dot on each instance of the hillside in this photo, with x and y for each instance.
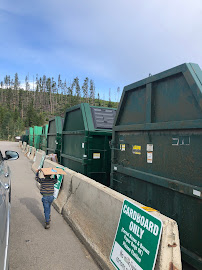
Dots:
(24, 108)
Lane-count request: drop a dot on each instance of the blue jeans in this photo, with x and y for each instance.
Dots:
(47, 201)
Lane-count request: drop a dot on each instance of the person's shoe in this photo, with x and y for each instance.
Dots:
(47, 225)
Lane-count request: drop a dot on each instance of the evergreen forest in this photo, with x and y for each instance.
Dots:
(21, 108)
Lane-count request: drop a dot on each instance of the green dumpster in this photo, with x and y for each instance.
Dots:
(54, 136)
(25, 138)
(156, 150)
(37, 134)
(43, 138)
(31, 136)
(86, 136)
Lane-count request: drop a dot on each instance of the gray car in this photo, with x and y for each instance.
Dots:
(5, 199)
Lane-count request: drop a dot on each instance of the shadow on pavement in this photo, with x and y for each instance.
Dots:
(33, 206)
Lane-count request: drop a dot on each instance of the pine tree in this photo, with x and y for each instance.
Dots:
(49, 91)
(70, 95)
(85, 89)
(20, 105)
(65, 87)
(103, 100)
(44, 90)
(109, 102)
(16, 82)
(54, 90)
(41, 91)
(78, 90)
(9, 81)
(27, 85)
(92, 93)
(9, 97)
(6, 81)
(59, 83)
(12, 83)
(98, 99)
(7, 126)
(37, 83)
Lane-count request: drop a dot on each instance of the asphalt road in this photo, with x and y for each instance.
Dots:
(31, 246)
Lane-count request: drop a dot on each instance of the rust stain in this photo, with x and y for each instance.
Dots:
(172, 267)
(173, 245)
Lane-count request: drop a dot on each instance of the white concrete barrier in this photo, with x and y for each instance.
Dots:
(32, 155)
(24, 146)
(38, 160)
(93, 212)
(27, 150)
(65, 187)
(50, 164)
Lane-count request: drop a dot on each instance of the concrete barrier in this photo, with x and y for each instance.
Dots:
(93, 212)
(38, 160)
(24, 146)
(32, 155)
(65, 187)
(27, 150)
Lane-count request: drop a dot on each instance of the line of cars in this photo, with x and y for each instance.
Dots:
(5, 201)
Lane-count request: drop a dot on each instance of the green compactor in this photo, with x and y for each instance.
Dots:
(157, 150)
(54, 136)
(86, 137)
(43, 138)
(31, 136)
(37, 134)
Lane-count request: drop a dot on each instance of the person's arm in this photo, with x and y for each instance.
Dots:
(37, 178)
(55, 179)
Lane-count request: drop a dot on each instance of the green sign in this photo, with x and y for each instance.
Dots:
(137, 239)
(58, 184)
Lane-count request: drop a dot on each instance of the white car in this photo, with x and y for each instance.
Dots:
(5, 199)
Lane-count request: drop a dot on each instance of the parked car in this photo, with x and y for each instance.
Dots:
(5, 199)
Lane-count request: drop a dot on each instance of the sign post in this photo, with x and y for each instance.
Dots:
(137, 239)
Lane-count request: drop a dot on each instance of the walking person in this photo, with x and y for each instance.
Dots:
(47, 191)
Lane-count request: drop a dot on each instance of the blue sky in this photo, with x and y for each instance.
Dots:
(115, 42)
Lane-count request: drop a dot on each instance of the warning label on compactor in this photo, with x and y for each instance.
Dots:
(136, 150)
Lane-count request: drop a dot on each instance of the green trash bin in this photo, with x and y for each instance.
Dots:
(37, 134)
(157, 150)
(31, 136)
(54, 136)
(86, 137)
(43, 138)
